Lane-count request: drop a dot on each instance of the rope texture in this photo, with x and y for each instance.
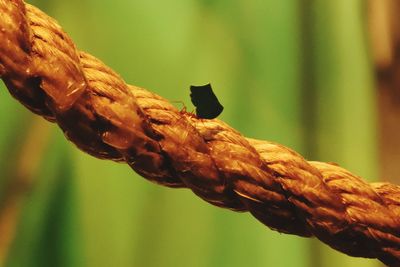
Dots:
(110, 119)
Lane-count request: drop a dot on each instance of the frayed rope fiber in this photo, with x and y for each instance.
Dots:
(110, 119)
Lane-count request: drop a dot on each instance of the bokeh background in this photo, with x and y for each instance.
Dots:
(318, 76)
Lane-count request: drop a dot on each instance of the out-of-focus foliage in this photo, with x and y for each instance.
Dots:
(295, 72)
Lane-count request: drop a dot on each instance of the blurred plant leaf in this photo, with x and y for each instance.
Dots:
(48, 232)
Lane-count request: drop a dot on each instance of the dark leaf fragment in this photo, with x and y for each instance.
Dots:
(205, 101)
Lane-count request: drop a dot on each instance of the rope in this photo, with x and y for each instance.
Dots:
(109, 119)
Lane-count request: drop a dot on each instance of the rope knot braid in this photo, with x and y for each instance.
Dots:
(110, 119)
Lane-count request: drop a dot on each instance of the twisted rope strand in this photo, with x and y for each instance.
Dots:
(109, 119)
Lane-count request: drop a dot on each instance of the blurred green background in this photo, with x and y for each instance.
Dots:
(295, 72)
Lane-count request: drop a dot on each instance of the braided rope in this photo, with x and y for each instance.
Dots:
(109, 119)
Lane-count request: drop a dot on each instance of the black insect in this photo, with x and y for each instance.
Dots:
(205, 101)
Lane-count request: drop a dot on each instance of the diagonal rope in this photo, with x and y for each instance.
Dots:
(110, 119)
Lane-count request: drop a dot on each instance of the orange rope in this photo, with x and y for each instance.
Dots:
(109, 119)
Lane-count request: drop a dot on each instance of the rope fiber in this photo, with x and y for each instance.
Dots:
(109, 119)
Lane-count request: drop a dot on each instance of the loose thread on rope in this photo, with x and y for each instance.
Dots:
(109, 119)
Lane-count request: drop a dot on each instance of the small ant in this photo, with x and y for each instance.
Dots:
(183, 110)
